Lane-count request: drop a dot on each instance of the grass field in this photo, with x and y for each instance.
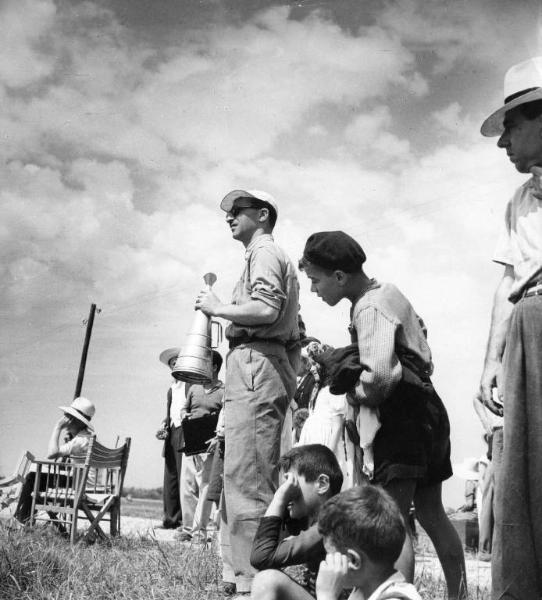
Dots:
(37, 564)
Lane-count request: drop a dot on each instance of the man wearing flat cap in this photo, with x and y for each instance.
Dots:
(171, 432)
(260, 371)
(513, 363)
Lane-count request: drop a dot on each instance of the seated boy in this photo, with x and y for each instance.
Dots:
(363, 534)
(312, 475)
(412, 447)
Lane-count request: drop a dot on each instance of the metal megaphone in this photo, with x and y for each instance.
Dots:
(194, 363)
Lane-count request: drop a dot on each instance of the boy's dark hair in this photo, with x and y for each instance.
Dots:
(531, 110)
(311, 461)
(364, 518)
(217, 361)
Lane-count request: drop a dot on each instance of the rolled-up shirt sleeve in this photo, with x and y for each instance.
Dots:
(266, 278)
(381, 366)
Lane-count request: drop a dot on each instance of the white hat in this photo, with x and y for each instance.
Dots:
(82, 409)
(229, 199)
(522, 84)
(168, 354)
(468, 469)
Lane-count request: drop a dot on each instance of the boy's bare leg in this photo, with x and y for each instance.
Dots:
(433, 518)
(402, 491)
(272, 584)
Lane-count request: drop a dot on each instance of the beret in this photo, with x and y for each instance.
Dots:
(334, 250)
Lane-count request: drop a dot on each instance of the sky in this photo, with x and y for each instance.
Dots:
(124, 123)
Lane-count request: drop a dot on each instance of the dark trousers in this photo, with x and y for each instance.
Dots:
(172, 479)
(24, 506)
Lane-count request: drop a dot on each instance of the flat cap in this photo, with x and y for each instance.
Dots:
(334, 250)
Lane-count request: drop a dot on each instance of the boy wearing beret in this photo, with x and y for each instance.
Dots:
(412, 446)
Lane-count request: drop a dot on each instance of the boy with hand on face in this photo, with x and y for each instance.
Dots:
(363, 535)
(312, 475)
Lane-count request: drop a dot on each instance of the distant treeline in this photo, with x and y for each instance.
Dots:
(149, 493)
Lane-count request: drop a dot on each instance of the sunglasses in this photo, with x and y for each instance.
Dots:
(236, 210)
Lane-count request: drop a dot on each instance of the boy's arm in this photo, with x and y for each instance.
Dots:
(381, 366)
(331, 576)
(270, 552)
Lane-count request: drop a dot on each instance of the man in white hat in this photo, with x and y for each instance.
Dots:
(513, 363)
(70, 436)
(260, 373)
(171, 432)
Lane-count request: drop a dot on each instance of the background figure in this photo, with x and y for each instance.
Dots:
(260, 374)
(325, 423)
(170, 431)
(201, 401)
(514, 350)
(70, 437)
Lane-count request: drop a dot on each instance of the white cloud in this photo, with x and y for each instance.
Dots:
(115, 152)
(23, 25)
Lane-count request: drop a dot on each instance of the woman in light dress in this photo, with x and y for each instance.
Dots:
(327, 415)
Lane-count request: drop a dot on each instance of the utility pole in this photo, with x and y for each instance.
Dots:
(81, 375)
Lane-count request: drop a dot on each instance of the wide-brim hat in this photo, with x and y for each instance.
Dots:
(168, 354)
(468, 469)
(82, 409)
(244, 198)
(522, 84)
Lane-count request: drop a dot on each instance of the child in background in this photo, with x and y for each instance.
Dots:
(325, 423)
(363, 535)
(311, 476)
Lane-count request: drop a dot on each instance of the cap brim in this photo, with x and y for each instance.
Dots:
(168, 354)
(228, 201)
(493, 125)
(78, 416)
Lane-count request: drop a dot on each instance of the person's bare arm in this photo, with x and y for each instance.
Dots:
(53, 447)
(502, 309)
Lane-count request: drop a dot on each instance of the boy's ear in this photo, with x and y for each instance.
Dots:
(355, 560)
(323, 484)
(340, 276)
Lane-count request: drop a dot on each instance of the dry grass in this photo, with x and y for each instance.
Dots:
(37, 564)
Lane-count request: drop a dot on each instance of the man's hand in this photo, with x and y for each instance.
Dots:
(208, 302)
(491, 379)
(331, 576)
(62, 423)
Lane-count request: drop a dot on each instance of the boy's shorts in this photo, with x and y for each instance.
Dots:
(413, 441)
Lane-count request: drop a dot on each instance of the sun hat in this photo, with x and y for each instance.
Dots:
(334, 250)
(522, 84)
(468, 469)
(168, 354)
(245, 199)
(82, 409)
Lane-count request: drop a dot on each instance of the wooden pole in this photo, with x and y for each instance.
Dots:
(81, 375)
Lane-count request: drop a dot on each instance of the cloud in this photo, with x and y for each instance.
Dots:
(23, 26)
(116, 149)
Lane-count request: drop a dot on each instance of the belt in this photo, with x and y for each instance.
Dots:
(533, 290)
(246, 339)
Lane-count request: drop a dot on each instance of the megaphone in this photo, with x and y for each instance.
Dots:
(194, 363)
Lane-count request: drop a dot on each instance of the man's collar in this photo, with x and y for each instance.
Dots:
(258, 241)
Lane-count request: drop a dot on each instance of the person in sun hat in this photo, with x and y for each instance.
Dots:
(170, 432)
(513, 359)
(70, 437)
(260, 373)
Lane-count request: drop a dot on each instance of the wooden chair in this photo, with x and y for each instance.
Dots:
(10, 486)
(90, 484)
